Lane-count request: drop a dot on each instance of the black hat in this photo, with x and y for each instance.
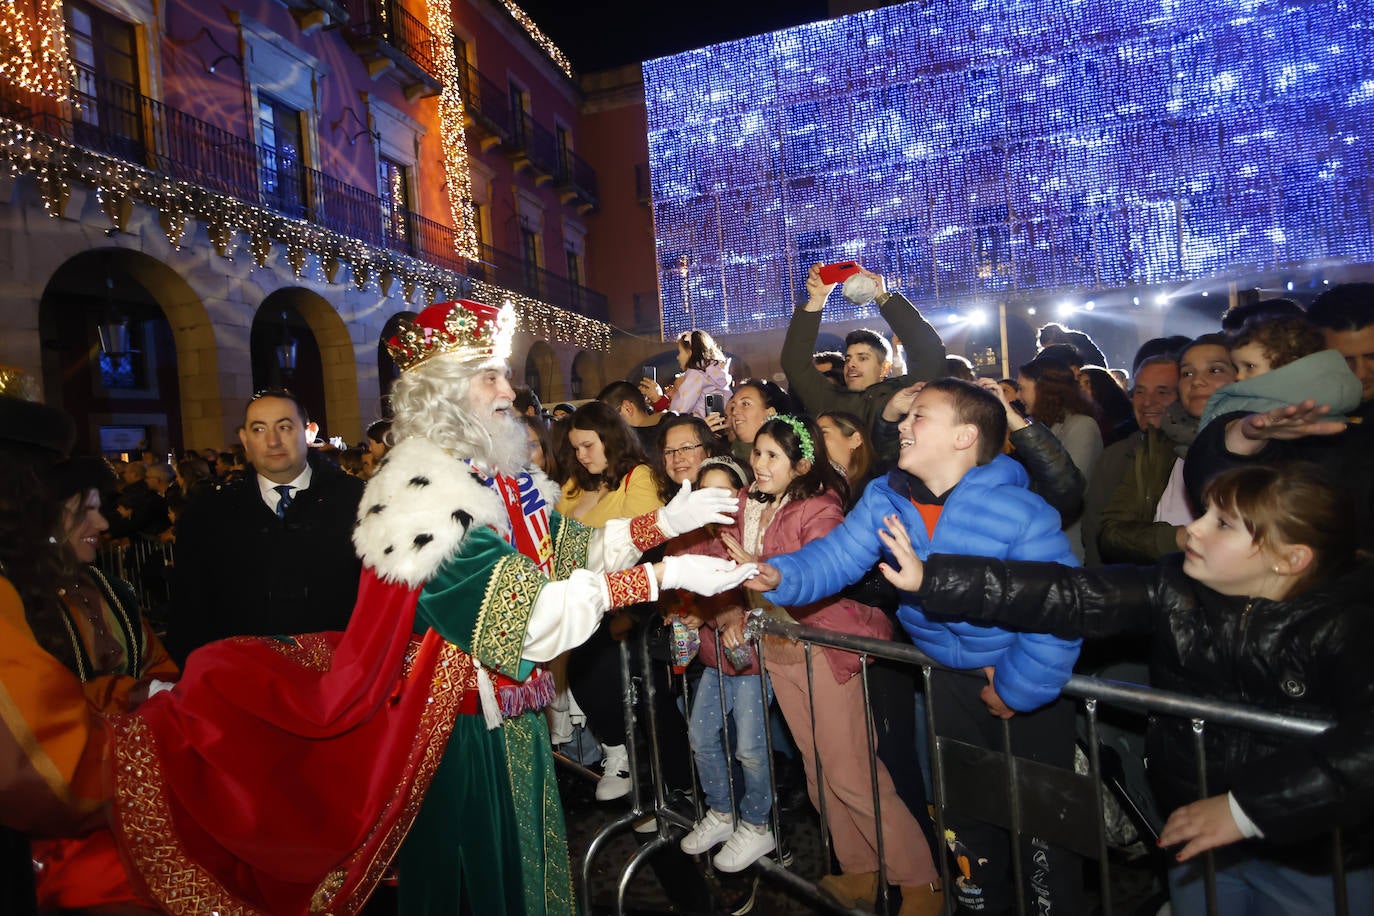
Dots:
(78, 475)
(46, 430)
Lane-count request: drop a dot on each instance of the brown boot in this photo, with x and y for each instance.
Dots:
(922, 900)
(851, 889)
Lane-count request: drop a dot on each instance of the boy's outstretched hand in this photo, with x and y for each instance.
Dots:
(910, 571)
(1201, 826)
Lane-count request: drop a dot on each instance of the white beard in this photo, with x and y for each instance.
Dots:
(509, 450)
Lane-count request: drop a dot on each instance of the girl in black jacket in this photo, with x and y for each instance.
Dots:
(1269, 605)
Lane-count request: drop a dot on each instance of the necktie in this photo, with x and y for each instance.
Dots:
(285, 502)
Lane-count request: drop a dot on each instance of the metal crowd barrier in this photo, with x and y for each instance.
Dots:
(146, 564)
(1048, 792)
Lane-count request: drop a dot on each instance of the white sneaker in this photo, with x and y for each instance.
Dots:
(745, 847)
(615, 774)
(712, 829)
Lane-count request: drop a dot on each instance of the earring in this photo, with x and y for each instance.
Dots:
(1276, 570)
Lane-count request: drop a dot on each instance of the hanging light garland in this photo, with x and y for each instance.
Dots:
(452, 133)
(56, 165)
(541, 40)
(33, 48)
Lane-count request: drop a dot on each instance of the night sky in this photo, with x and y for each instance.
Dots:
(612, 33)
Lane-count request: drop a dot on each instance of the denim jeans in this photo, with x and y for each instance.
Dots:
(1251, 886)
(706, 729)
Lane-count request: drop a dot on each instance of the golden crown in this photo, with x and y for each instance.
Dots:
(473, 330)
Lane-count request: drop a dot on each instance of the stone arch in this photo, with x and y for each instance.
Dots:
(588, 375)
(541, 373)
(140, 282)
(338, 362)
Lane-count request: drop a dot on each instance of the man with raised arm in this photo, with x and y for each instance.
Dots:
(867, 354)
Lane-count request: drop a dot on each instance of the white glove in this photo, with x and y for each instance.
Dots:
(688, 511)
(705, 575)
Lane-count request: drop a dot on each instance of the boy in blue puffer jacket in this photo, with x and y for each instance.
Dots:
(956, 493)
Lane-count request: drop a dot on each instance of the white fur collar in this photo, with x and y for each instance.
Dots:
(417, 510)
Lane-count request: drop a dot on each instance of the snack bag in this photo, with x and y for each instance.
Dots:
(686, 642)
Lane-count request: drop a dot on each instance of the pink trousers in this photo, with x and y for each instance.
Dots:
(840, 726)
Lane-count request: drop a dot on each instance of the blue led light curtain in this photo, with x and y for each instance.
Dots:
(979, 147)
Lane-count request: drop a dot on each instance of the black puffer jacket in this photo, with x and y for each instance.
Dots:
(1311, 657)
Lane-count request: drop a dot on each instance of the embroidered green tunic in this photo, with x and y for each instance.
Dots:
(491, 830)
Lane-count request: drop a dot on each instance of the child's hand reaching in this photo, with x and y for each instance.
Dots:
(996, 706)
(730, 623)
(1201, 826)
(765, 579)
(910, 571)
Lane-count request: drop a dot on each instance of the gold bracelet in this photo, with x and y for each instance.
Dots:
(881, 299)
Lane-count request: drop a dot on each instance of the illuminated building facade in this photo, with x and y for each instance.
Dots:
(997, 150)
(200, 201)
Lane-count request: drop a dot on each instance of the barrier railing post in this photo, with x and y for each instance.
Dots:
(1018, 867)
(697, 810)
(725, 733)
(1104, 877)
(1209, 864)
(937, 778)
(816, 753)
(884, 903)
(594, 847)
(756, 638)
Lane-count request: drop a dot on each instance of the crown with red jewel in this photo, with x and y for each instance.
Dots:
(473, 330)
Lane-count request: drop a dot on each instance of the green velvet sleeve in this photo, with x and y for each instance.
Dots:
(481, 601)
(572, 542)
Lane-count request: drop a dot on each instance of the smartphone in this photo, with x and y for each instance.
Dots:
(715, 403)
(838, 272)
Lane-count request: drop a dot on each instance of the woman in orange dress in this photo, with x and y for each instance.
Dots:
(73, 646)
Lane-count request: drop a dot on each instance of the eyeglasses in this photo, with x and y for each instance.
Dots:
(670, 453)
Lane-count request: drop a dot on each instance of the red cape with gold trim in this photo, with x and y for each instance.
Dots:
(280, 776)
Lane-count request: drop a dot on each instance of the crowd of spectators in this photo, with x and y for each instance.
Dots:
(1064, 463)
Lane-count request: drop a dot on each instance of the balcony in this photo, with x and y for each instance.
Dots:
(532, 147)
(486, 108)
(313, 15)
(492, 121)
(116, 121)
(392, 41)
(508, 270)
(576, 181)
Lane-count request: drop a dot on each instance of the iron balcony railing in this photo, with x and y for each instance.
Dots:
(389, 21)
(513, 272)
(491, 108)
(486, 102)
(113, 119)
(576, 173)
(536, 141)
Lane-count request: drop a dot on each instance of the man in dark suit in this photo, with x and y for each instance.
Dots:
(271, 553)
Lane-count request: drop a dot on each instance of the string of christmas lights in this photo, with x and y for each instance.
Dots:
(33, 48)
(56, 165)
(542, 41)
(452, 133)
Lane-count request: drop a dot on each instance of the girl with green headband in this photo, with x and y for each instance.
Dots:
(797, 497)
